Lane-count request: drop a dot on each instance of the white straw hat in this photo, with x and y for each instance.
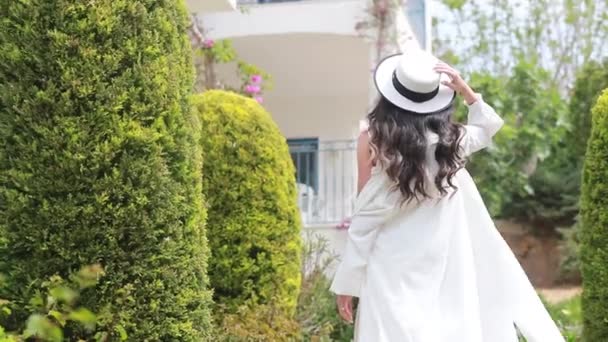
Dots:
(409, 82)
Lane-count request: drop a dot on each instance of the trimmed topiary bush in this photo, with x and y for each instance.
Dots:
(257, 323)
(99, 164)
(594, 233)
(253, 223)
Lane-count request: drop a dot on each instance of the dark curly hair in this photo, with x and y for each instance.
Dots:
(398, 142)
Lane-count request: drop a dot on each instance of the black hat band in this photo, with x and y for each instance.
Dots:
(411, 95)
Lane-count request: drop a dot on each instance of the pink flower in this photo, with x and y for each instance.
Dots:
(252, 88)
(345, 224)
(381, 8)
(208, 43)
(259, 99)
(256, 79)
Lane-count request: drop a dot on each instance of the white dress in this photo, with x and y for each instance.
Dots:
(437, 270)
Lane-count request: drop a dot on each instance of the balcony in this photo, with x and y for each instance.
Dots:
(255, 2)
(326, 179)
(272, 17)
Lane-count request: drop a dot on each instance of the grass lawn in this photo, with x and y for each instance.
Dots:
(567, 314)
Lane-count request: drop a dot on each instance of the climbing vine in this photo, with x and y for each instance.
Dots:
(209, 53)
(380, 27)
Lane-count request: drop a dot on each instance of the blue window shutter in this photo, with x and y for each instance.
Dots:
(305, 155)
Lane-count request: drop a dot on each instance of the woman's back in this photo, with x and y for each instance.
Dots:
(409, 263)
(421, 268)
(419, 265)
(423, 255)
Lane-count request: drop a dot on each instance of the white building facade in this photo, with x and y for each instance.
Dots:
(322, 69)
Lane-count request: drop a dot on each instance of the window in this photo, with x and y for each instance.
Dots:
(305, 156)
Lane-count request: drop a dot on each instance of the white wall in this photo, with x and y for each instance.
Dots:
(206, 6)
(336, 17)
(320, 81)
(325, 117)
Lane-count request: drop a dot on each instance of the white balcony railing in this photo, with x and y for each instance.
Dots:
(326, 178)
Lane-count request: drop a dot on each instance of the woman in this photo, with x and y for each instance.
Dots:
(423, 255)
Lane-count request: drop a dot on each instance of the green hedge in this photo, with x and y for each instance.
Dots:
(594, 235)
(253, 220)
(99, 163)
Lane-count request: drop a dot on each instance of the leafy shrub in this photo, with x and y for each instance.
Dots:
(529, 173)
(56, 309)
(316, 316)
(557, 180)
(568, 317)
(570, 269)
(99, 163)
(253, 219)
(256, 323)
(511, 175)
(317, 313)
(594, 236)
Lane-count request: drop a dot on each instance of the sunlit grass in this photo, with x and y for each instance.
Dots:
(568, 316)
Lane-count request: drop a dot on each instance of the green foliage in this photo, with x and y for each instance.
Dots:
(56, 310)
(99, 164)
(492, 36)
(568, 317)
(253, 219)
(538, 47)
(317, 314)
(4, 337)
(594, 236)
(512, 175)
(210, 53)
(590, 82)
(257, 323)
(570, 254)
(454, 4)
(221, 51)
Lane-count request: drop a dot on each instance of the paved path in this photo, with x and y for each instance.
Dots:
(559, 294)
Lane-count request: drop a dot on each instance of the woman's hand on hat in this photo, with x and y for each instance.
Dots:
(456, 82)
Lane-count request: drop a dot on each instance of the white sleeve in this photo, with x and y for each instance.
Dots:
(372, 210)
(482, 125)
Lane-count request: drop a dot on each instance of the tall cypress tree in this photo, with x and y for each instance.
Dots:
(594, 233)
(99, 164)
